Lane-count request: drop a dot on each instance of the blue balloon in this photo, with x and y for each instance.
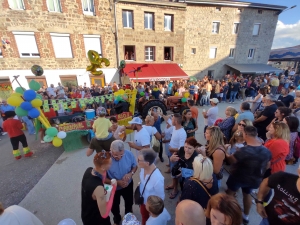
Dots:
(34, 113)
(29, 95)
(26, 106)
(116, 101)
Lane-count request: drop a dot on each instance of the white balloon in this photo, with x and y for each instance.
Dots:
(67, 222)
(61, 134)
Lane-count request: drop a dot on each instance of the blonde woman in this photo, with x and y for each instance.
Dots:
(215, 150)
(278, 138)
(150, 128)
(227, 124)
(201, 185)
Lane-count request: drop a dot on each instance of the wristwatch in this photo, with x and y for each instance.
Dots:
(259, 202)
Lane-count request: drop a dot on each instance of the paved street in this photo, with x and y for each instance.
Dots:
(54, 194)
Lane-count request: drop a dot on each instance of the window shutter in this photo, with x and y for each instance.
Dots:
(212, 53)
(62, 46)
(124, 18)
(256, 29)
(92, 43)
(132, 19)
(50, 4)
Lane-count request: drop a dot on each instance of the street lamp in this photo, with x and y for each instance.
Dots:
(294, 6)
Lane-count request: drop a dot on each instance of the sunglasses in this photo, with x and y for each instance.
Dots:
(243, 125)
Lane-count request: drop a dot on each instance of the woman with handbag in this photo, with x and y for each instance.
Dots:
(215, 150)
(201, 186)
(183, 168)
(151, 182)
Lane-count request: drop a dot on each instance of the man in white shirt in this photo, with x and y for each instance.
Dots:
(141, 136)
(51, 91)
(60, 89)
(292, 72)
(177, 141)
(212, 114)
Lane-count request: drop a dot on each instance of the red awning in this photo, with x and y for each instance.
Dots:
(154, 72)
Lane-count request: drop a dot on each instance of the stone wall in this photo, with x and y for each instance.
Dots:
(199, 35)
(36, 18)
(159, 38)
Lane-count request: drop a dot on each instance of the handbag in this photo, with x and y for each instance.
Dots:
(204, 188)
(138, 197)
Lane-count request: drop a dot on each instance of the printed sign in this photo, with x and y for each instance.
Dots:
(46, 108)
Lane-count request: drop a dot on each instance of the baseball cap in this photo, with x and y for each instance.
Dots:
(214, 100)
(101, 111)
(136, 120)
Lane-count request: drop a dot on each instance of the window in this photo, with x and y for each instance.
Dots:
(256, 29)
(127, 18)
(251, 53)
(92, 42)
(54, 5)
(168, 22)
(26, 44)
(68, 80)
(215, 27)
(218, 9)
(231, 53)
(149, 53)
(88, 7)
(236, 27)
(212, 53)
(210, 74)
(168, 53)
(193, 51)
(16, 4)
(148, 23)
(41, 80)
(62, 46)
(129, 53)
(259, 11)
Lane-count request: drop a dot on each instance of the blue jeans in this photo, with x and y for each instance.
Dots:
(232, 96)
(264, 222)
(224, 96)
(29, 125)
(208, 97)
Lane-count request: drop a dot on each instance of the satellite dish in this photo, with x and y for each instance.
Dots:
(37, 70)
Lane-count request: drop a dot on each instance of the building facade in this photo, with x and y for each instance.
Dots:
(202, 37)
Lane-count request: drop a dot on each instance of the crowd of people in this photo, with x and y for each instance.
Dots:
(253, 143)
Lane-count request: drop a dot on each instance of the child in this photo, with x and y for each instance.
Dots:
(157, 212)
(14, 129)
(236, 142)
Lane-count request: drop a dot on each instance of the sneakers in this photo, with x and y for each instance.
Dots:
(18, 157)
(28, 154)
(4, 133)
(42, 142)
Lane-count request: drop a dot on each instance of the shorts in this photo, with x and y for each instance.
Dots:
(234, 185)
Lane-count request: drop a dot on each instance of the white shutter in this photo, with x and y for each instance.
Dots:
(212, 53)
(92, 43)
(62, 46)
(256, 29)
(27, 45)
(16, 4)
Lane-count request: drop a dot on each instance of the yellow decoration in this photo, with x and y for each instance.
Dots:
(186, 95)
(121, 92)
(14, 101)
(36, 103)
(176, 94)
(15, 94)
(56, 142)
(96, 63)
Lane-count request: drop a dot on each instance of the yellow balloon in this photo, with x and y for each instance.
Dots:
(186, 95)
(116, 93)
(176, 93)
(121, 92)
(16, 94)
(14, 101)
(37, 103)
(56, 142)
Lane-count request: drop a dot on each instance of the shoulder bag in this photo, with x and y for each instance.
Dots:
(204, 188)
(138, 197)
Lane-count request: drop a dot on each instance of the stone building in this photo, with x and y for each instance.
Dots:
(202, 37)
(55, 34)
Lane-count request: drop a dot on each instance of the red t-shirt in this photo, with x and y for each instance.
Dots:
(76, 95)
(13, 127)
(279, 149)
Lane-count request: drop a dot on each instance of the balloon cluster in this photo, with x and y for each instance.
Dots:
(121, 96)
(185, 96)
(28, 103)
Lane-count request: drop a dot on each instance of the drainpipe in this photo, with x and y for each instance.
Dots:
(116, 40)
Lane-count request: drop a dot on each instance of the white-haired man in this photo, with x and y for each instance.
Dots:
(122, 169)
